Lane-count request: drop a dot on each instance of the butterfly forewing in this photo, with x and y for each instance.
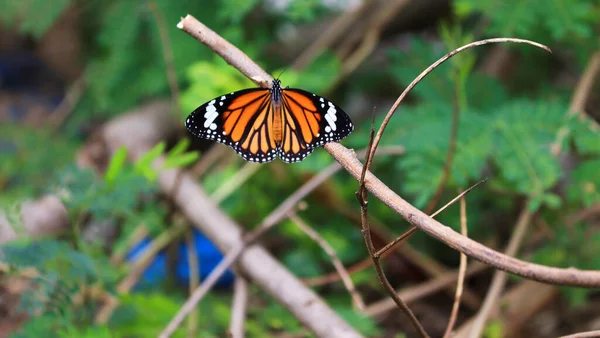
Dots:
(241, 120)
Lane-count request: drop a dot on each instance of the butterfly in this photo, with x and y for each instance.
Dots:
(263, 124)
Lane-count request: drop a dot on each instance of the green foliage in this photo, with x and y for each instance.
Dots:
(561, 19)
(38, 15)
(572, 246)
(25, 152)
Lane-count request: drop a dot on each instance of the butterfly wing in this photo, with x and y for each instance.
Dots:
(309, 121)
(242, 120)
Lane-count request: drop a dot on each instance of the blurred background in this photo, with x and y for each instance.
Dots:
(80, 226)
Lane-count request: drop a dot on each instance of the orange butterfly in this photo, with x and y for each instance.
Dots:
(262, 124)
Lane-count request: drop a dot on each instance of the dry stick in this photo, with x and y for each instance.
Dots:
(413, 293)
(348, 160)
(362, 196)
(583, 334)
(142, 261)
(233, 183)
(410, 231)
(431, 267)
(270, 221)
(67, 105)
(194, 279)
(499, 278)
(226, 50)
(473, 249)
(333, 32)
(238, 307)
(450, 154)
(138, 234)
(167, 54)
(357, 300)
(208, 158)
(429, 69)
(462, 269)
(577, 106)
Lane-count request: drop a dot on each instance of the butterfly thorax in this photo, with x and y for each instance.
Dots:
(276, 93)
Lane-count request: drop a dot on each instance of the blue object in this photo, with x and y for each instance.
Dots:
(156, 272)
(208, 258)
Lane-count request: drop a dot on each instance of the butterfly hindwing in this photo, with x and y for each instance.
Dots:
(319, 120)
(242, 120)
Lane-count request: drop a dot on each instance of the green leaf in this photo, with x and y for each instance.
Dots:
(117, 162)
(180, 147)
(586, 133)
(180, 161)
(585, 185)
(524, 132)
(144, 164)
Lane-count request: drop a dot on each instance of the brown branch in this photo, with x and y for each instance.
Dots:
(357, 300)
(226, 50)
(413, 293)
(362, 196)
(348, 160)
(473, 249)
(583, 334)
(141, 262)
(429, 69)
(337, 28)
(500, 277)
(67, 105)
(580, 97)
(270, 221)
(238, 307)
(233, 183)
(461, 270)
(412, 229)
(137, 235)
(255, 262)
(194, 278)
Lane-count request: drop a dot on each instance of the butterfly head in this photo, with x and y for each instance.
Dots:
(276, 91)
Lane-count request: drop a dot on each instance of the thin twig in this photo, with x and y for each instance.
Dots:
(207, 159)
(270, 221)
(167, 55)
(587, 334)
(234, 182)
(357, 300)
(238, 307)
(67, 105)
(347, 158)
(578, 100)
(194, 279)
(499, 278)
(141, 262)
(429, 69)
(138, 234)
(226, 50)
(413, 293)
(462, 269)
(412, 229)
(473, 249)
(327, 38)
(362, 197)
(451, 151)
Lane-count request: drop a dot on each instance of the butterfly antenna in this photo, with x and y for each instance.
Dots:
(283, 71)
